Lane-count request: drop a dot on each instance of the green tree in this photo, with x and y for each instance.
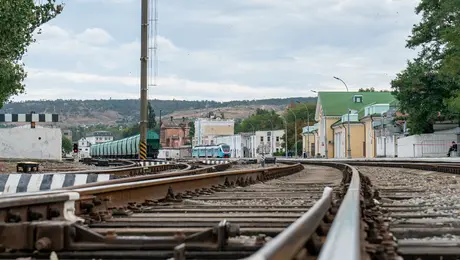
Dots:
(131, 130)
(18, 21)
(454, 102)
(301, 115)
(262, 120)
(429, 83)
(437, 35)
(366, 90)
(191, 124)
(421, 92)
(152, 123)
(66, 144)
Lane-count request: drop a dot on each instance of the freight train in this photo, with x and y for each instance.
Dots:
(127, 148)
(211, 151)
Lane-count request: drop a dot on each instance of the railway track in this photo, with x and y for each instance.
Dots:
(279, 212)
(154, 218)
(419, 208)
(31, 182)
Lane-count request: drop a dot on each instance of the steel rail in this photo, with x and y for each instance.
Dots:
(130, 170)
(287, 244)
(185, 171)
(133, 190)
(344, 240)
(154, 189)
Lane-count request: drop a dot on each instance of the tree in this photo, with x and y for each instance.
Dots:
(437, 35)
(429, 83)
(152, 123)
(130, 131)
(421, 92)
(192, 129)
(453, 103)
(261, 120)
(301, 115)
(66, 144)
(18, 21)
(366, 90)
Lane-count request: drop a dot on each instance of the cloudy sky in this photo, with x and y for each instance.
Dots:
(221, 50)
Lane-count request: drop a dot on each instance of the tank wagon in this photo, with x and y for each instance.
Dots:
(211, 151)
(127, 148)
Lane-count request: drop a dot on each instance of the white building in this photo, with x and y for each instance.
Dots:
(99, 137)
(85, 143)
(241, 145)
(273, 140)
(206, 130)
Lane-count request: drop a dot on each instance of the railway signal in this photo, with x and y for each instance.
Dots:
(75, 148)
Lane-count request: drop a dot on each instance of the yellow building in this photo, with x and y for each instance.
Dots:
(309, 140)
(332, 117)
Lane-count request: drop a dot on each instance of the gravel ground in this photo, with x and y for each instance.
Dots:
(309, 184)
(439, 189)
(10, 167)
(251, 166)
(433, 193)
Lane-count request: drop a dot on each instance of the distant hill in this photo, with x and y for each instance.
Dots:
(120, 112)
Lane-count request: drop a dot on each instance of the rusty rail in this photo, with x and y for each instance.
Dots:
(47, 221)
(141, 191)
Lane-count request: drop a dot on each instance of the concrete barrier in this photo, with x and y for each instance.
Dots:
(17, 182)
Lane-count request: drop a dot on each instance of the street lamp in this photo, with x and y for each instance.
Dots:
(271, 137)
(325, 130)
(308, 128)
(285, 135)
(295, 129)
(253, 129)
(349, 147)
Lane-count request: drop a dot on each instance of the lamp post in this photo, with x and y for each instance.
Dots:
(253, 129)
(308, 128)
(271, 137)
(325, 131)
(285, 134)
(349, 146)
(295, 129)
(252, 143)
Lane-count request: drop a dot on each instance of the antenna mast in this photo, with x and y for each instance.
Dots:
(144, 80)
(153, 44)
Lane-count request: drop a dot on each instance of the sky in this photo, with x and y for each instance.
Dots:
(221, 50)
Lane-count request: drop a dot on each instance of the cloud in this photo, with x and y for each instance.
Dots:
(222, 49)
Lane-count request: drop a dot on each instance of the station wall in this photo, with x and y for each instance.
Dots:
(27, 143)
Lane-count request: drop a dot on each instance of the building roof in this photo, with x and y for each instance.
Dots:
(175, 123)
(336, 103)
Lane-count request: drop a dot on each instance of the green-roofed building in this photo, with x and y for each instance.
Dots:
(336, 103)
(331, 114)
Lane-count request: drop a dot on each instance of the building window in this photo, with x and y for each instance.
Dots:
(277, 138)
(268, 138)
(261, 138)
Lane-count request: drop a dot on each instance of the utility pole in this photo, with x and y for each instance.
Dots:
(271, 137)
(295, 130)
(144, 87)
(308, 128)
(286, 137)
(349, 130)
